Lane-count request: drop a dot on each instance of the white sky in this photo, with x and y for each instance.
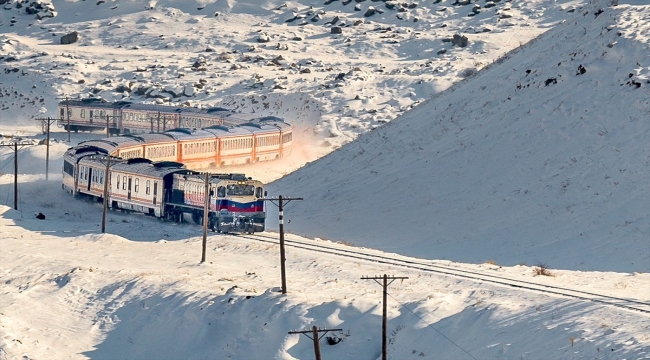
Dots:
(498, 168)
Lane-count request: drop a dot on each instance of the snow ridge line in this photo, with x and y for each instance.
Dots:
(624, 303)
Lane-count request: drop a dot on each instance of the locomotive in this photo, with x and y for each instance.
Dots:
(165, 189)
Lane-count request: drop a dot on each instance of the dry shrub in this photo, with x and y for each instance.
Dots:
(491, 262)
(542, 269)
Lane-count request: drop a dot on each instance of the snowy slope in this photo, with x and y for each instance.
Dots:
(502, 171)
(529, 161)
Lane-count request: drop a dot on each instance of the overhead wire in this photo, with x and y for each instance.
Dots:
(8, 188)
(432, 327)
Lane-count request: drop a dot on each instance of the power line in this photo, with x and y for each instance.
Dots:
(431, 326)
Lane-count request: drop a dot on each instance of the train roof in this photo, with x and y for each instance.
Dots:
(155, 137)
(226, 131)
(190, 134)
(215, 111)
(79, 152)
(112, 143)
(142, 166)
(93, 102)
(152, 107)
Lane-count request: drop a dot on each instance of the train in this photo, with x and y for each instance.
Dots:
(167, 190)
(124, 117)
(259, 139)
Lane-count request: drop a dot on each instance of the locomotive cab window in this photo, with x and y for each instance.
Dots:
(258, 192)
(240, 190)
(221, 191)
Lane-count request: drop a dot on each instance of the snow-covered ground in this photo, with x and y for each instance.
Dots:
(503, 155)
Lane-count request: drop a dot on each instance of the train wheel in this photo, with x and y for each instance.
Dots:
(197, 218)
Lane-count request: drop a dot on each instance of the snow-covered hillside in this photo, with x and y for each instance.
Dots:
(543, 157)
(497, 157)
(249, 56)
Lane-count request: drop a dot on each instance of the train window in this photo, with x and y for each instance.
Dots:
(148, 188)
(118, 182)
(240, 190)
(124, 183)
(83, 113)
(258, 192)
(62, 113)
(137, 184)
(221, 191)
(155, 188)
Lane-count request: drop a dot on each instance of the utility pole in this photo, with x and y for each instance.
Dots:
(47, 149)
(108, 117)
(280, 204)
(385, 278)
(106, 181)
(15, 146)
(67, 112)
(206, 202)
(314, 336)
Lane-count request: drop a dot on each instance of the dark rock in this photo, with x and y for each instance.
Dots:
(123, 88)
(550, 81)
(460, 40)
(70, 38)
(333, 21)
(370, 12)
(40, 216)
(581, 70)
(336, 30)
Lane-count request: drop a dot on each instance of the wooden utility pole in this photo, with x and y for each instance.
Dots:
(47, 149)
(108, 117)
(106, 181)
(385, 278)
(206, 202)
(314, 336)
(15, 146)
(67, 113)
(280, 204)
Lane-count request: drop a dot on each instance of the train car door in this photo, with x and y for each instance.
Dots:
(129, 189)
(90, 176)
(155, 191)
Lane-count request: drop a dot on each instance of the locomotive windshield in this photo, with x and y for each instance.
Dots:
(240, 190)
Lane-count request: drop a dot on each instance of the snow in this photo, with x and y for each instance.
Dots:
(475, 159)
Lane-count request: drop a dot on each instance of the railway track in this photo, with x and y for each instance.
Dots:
(426, 266)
